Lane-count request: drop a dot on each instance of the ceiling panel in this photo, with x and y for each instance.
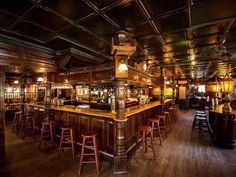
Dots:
(59, 44)
(210, 29)
(98, 45)
(15, 6)
(77, 34)
(88, 25)
(163, 6)
(149, 42)
(174, 36)
(211, 11)
(102, 27)
(6, 19)
(53, 22)
(72, 9)
(171, 23)
(33, 31)
(103, 3)
(140, 30)
(126, 15)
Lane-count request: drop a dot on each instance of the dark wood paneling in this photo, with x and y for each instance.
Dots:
(110, 137)
(83, 125)
(223, 129)
(30, 59)
(98, 126)
(101, 75)
(82, 77)
(71, 119)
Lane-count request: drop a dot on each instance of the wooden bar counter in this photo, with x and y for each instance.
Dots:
(223, 127)
(102, 122)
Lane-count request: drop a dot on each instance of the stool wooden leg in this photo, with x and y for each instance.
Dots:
(61, 140)
(96, 154)
(159, 132)
(51, 132)
(152, 145)
(41, 136)
(143, 141)
(72, 143)
(81, 156)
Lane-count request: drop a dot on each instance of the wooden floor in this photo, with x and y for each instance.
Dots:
(180, 156)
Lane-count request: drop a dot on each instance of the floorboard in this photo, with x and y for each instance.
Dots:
(180, 155)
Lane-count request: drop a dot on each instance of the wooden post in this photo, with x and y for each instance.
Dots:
(174, 89)
(122, 50)
(47, 94)
(2, 115)
(22, 95)
(120, 158)
(73, 98)
(163, 85)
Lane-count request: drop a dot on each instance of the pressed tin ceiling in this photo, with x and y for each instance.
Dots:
(187, 37)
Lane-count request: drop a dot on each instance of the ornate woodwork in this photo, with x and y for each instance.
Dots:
(223, 128)
(11, 55)
(2, 115)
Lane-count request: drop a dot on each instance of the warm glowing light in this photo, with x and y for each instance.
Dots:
(16, 82)
(215, 88)
(193, 62)
(40, 79)
(168, 91)
(145, 66)
(192, 57)
(123, 67)
(227, 84)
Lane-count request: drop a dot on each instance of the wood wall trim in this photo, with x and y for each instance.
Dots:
(29, 59)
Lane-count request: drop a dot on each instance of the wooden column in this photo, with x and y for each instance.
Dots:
(2, 114)
(73, 97)
(174, 89)
(120, 158)
(47, 98)
(47, 94)
(22, 94)
(163, 85)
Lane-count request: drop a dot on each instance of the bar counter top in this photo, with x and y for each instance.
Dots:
(137, 109)
(102, 113)
(218, 109)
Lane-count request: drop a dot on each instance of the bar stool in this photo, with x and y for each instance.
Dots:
(156, 130)
(89, 142)
(37, 126)
(21, 124)
(172, 113)
(144, 132)
(167, 116)
(162, 123)
(200, 124)
(67, 138)
(28, 126)
(47, 132)
(16, 122)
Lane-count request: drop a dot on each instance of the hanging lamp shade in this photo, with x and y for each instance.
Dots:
(215, 88)
(227, 84)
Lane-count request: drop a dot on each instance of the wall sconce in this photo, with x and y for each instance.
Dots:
(227, 86)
